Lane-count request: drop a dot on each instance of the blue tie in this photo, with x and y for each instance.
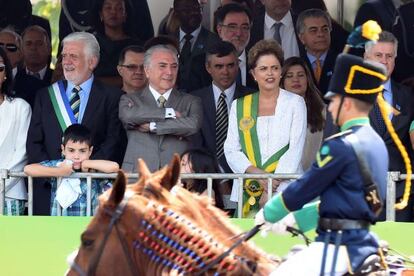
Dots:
(382, 128)
(75, 101)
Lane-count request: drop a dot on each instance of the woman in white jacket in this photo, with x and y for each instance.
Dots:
(14, 122)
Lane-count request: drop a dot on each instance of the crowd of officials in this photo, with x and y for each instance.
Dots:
(119, 93)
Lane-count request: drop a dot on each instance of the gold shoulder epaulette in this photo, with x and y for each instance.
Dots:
(342, 133)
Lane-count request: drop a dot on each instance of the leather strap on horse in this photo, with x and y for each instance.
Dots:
(217, 260)
(114, 219)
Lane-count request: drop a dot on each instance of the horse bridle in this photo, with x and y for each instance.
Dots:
(115, 216)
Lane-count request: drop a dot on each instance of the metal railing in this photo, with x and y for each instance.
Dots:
(392, 178)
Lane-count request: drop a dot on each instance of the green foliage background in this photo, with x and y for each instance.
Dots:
(50, 9)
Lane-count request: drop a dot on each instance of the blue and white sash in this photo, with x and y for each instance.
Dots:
(61, 105)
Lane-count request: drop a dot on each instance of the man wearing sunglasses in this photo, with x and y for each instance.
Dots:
(11, 43)
(131, 69)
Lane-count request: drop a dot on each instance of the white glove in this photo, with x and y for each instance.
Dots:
(260, 219)
(280, 227)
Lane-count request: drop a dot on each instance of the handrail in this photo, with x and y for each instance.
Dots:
(392, 178)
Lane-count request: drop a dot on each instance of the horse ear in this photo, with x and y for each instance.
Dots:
(118, 189)
(172, 174)
(143, 170)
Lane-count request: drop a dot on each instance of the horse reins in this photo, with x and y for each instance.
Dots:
(247, 236)
(115, 216)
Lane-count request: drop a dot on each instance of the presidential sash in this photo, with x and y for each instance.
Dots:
(61, 106)
(247, 108)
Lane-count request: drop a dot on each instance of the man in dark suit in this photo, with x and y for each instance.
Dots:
(192, 37)
(36, 72)
(314, 30)
(80, 99)
(233, 25)
(401, 102)
(222, 65)
(159, 119)
(276, 22)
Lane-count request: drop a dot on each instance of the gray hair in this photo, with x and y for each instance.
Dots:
(385, 37)
(9, 30)
(91, 48)
(40, 30)
(314, 13)
(159, 48)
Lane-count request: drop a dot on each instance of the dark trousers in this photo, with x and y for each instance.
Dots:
(41, 197)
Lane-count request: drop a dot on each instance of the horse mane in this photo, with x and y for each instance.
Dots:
(184, 230)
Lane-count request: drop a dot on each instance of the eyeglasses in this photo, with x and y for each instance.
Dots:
(133, 67)
(245, 28)
(9, 47)
(2, 67)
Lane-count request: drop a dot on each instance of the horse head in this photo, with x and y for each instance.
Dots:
(143, 229)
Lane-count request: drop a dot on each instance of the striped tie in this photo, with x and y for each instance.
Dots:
(75, 101)
(221, 124)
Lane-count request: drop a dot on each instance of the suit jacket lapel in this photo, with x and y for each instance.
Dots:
(208, 100)
(400, 120)
(200, 42)
(148, 98)
(94, 102)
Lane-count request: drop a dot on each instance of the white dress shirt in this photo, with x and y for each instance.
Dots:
(14, 124)
(229, 92)
(287, 34)
(287, 126)
(195, 34)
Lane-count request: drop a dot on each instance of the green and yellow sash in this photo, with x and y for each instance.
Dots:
(247, 108)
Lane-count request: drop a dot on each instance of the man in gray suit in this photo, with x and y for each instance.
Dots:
(159, 119)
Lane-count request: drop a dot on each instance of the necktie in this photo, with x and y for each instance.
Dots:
(317, 70)
(161, 101)
(74, 101)
(276, 34)
(221, 124)
(186, 50)
(381, 129)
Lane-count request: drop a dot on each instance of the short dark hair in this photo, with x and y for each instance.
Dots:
(220, 49)
(311, 13)
(262, 48)
(77, 133)
(133, 48)
(6, 87)
(162, 40)
(222, 12)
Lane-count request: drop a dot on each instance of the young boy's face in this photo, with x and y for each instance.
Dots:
(76, 152)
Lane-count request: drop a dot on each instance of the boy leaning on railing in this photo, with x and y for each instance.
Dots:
(71, 193)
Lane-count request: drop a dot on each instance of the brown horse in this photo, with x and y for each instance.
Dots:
(143, 229)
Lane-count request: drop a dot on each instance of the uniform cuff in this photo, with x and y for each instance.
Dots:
(307, 217)
(275, 209)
